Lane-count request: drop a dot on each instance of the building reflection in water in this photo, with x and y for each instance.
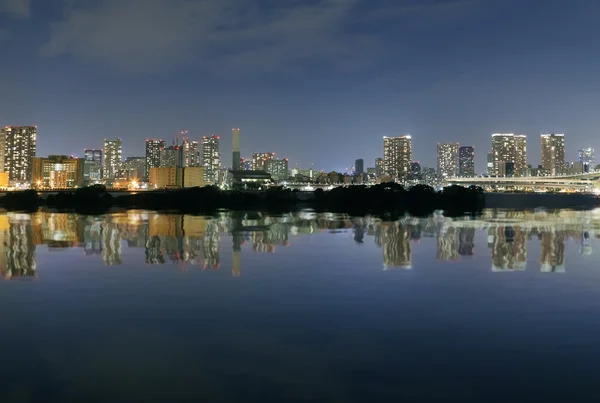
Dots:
(186, 240)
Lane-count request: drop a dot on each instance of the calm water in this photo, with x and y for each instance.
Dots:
(151, 307)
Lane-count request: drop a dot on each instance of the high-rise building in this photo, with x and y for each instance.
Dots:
(586, 157)
(113, 154)
(260, 159)
(466, 161)
(359, 166)
(553, 153)
(447, 160)
(489, 168)
(379, 167)
(92, 166)
(171, 156)
(397, 156)
(236, 159)
(211, 159)
(277, 168)
(19, 143)
(135, 168)
(190, 153)
(153, 149)
(415, 171)
(93, 155)
(509, 148)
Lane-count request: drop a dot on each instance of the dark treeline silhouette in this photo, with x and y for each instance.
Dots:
(382, 199)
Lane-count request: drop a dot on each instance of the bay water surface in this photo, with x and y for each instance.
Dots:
(300, 307)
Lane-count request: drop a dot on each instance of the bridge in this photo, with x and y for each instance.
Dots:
(589, 182)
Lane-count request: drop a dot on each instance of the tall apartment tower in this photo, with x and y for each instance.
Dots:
(397, 156)
(466, 161)
(211, 159)
(236, 159)
(553, 153)
(586, 157)
(153, 149)
(259, 160)
(19, 144)
(509, 149)
(113, 153)
(447, 160)
(379, 167)
(190, 153)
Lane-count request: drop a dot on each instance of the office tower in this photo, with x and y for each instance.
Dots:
(553, 153)
(586, 157)
(278, 169)
(447, 160)
(379, 167)
(211, 159)
(113, 151)
(135, 168)
(57, 172)
(466, 161)
(190, 153)
(171, 156)
(93, 155)
(509, 148)
(359, 167)
(236, 159)
(397, 156)
(153, 148)
(490, 164)
(415, 171)
(19, 149)
(260, 159)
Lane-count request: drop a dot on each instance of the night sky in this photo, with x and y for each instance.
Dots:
(317, 81)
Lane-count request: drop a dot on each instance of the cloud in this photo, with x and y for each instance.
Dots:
(226, 35)
(152, 35)
(16, 8)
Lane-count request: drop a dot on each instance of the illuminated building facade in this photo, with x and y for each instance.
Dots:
(379, 167)
(19, 143)
(135, 168)
(553, 153)
(153, 149)
(171, 157)
(447, 160)
(166, 177)
(190, 151)
(586, 157)
(211, 159)
(259, 160)
(509, 148)
(278, 169)
(235, 154)
(193, 177)
(58, 172)
(113, 154)
(397, 156)
(466, 161)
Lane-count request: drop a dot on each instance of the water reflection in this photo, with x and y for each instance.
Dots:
(196, 241)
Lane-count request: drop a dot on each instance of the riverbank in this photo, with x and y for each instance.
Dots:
(521, 201)
(385, 199)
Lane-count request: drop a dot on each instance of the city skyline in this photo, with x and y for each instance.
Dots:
(364, 69)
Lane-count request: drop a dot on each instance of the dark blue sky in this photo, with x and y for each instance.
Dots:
(317, 81)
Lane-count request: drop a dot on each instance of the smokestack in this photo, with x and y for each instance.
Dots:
(235, 155)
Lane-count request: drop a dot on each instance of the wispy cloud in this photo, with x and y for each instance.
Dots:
(16, 8)
(150, 35)
(224, 35)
